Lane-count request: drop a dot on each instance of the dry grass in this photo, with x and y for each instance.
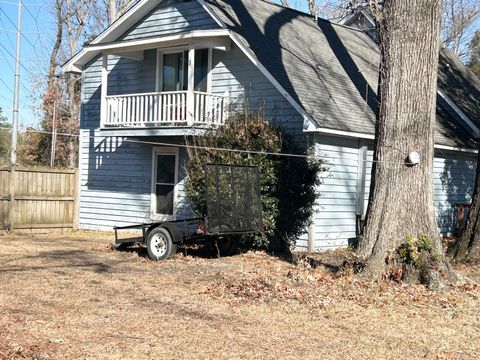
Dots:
(71, 297)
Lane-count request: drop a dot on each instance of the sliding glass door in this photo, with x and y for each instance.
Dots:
(175, 72)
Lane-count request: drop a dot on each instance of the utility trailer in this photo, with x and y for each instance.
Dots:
(233, 208)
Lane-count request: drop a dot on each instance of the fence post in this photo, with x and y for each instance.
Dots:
(311, 237)
(76, 198)
(11, 208)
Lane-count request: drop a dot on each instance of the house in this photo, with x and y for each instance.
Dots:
(170, 68)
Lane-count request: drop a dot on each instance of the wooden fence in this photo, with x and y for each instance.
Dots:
(38, 198)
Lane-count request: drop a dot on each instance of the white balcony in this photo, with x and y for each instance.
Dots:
(165, 109)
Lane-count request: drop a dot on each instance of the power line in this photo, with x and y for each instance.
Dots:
(23, 66)
(15, 31)
(35, 19)
(12, 3)
(19, 30)
(208, 148)
(6, 85)
(4, 27)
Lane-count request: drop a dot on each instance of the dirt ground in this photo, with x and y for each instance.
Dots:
(70, 297)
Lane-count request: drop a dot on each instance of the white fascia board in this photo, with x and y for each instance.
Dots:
(344, 133)
(134, 45)
(217, 38)
(308, 121)
(357, 135)
(123, 23)
(456, 149)
(469, 124)
(350, 19)
(127, 20)
(212, 14)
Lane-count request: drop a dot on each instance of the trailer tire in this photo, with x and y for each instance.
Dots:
(160, 245)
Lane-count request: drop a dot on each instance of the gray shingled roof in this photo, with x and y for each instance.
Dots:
(331, 70)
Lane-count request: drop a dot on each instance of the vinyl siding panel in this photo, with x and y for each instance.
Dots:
(454, 180)
(115, 182)
(250, 90)
(335, 211)
(125, 77)
(334, 217)
(171, 17)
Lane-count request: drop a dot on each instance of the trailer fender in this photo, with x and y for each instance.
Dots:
(177, 235)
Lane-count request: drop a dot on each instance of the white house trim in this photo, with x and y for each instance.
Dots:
(307, 119)
(127, 20)
(212, 14)
(153, 199)
(356, 135)
(215, 38)
(470, 126)
(452, 148)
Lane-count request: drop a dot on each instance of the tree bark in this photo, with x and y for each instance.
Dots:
(58, 40)
(401, 195)
(467, 247)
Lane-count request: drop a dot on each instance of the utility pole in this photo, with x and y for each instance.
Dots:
(13, 157)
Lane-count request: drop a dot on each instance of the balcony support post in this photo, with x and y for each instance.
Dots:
(191, 86)
(103, 96)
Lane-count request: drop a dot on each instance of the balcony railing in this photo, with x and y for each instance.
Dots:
(165, 109)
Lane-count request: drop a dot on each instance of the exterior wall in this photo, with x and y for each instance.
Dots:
(250, 90)
(335, 216)
(125, 77)
(454, 179)
(115, 181)
(172, 17)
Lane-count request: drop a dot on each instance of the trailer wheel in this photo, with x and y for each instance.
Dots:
(160, 245)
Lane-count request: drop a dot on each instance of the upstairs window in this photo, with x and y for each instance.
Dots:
(201, 70)
(172, 70)
(175, 72)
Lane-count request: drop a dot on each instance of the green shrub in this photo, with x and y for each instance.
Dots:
(410, 252)
(287, 184)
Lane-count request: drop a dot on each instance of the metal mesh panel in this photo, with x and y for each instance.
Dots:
(233, 199)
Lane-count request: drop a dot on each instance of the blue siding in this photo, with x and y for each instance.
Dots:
(125, 77)
(335, 212)
(115, 181)
(172, 17)
(454, 179)
(334, 218)
(250, 90)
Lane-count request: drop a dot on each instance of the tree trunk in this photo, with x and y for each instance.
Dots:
(401, 195)
(58, 41)
(467, 247)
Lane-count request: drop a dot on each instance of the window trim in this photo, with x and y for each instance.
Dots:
(153, 198)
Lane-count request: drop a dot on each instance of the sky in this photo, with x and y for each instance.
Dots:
(37, 24)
